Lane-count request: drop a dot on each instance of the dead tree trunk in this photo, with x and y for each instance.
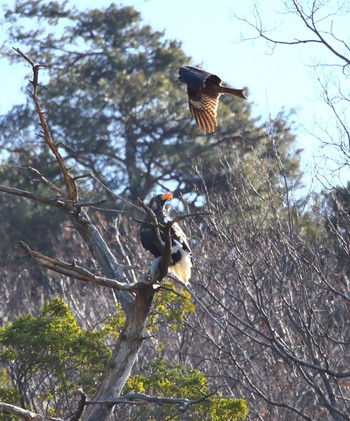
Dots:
(136, 299)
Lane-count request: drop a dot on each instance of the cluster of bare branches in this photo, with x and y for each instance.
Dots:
(272, 309)
(319, 29)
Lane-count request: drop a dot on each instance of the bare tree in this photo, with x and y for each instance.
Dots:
(272, 318)
(134, 295)
(319, 29)
(273, 286)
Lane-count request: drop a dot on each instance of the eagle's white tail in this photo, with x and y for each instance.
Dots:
(182, 269)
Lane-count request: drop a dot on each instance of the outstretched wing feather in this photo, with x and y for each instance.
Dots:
(204, 109)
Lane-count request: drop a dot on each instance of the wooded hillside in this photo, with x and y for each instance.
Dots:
(262, 331)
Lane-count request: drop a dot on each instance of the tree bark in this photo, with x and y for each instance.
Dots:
(125, 353)
(102, 254)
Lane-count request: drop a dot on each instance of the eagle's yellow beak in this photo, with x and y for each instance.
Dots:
(167, 196)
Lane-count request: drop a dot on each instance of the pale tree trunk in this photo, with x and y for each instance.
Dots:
(125, 353)
(136, 307)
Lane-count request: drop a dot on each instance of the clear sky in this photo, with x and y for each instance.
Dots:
(211, 33)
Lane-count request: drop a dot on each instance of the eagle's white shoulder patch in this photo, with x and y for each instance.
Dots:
(182, 269)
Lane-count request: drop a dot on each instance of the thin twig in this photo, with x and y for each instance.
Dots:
(91, 175)
(44, 180)
(165, 288)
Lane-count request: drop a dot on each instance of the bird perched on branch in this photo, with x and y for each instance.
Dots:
(204, 90)
(181, 256)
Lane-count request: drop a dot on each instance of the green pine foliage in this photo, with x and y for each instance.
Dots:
(163, 379)
(8, 394)
(170, 309)
(49, 356)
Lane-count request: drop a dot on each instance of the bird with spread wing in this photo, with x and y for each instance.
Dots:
(204, 90)
(181, 255)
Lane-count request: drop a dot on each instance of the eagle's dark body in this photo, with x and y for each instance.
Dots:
(181, 256)
(204, 90)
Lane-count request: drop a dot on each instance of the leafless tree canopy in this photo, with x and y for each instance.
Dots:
(272, 312)
(318, 28)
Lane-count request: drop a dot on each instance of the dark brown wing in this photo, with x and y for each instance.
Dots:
(194, 77)
(149, 239)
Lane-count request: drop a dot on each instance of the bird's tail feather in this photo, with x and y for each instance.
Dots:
(235, 92)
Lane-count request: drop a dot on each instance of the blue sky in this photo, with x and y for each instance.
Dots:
(211, 33)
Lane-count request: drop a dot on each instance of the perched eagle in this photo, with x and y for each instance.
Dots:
(204, 90)
(181, 257)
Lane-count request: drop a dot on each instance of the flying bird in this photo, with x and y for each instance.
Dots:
(204, 90)
(181, 255)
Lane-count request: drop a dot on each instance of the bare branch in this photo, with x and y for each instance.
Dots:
(142, 398)
(314, 29)
(173, 291)
(59, 202)
(28, 195)
(72, 192)
(24, 414)
(73, 270)
(82, 204)
(91, 175)
(309, 20)
(190, 215)
(136, 298)
(44, 180)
